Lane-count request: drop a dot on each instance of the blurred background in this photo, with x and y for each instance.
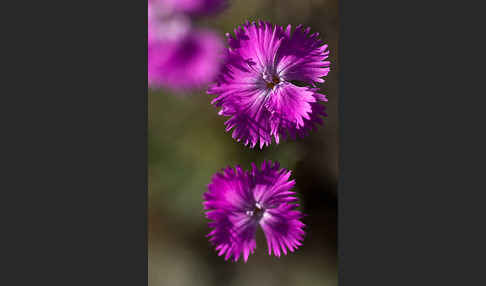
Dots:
(188, 144)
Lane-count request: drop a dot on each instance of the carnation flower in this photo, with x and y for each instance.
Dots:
(239, 201)
(180, 56)
(267, 86)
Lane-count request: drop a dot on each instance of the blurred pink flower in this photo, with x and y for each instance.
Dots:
(180, 57)
(196, 7)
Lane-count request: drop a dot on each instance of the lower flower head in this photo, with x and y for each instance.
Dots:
(267, 85)
(239, 201)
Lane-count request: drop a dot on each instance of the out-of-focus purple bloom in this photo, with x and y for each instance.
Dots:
(179, 56)
(189, 62)
(257, 89)
(195, 7)
(238, 201)
(164, 25)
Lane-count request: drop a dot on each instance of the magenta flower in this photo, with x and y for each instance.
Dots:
(189, 62)
(195, 7)
(267, 86)
(238, 201)
(179, 56)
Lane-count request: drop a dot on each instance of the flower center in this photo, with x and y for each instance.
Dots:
(272, 83)
(256, 212)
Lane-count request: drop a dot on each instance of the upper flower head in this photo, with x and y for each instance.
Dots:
(267, 85)
(238, 201)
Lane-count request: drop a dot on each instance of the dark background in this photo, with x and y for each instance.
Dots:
(188, 144)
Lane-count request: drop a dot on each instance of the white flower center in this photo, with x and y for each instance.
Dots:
(271, 80)
(257, 211)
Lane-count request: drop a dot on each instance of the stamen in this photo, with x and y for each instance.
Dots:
(256, 212)
(273, 83)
